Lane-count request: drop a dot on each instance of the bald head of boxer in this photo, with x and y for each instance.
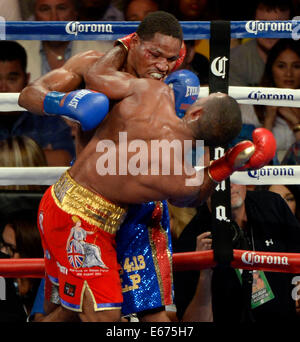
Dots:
(219, 119)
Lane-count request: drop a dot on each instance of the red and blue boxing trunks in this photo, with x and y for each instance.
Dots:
(78, 230)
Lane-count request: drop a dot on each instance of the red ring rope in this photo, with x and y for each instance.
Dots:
(272, 262)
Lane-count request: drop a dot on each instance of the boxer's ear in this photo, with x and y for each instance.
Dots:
(135, 39)
(194, 112)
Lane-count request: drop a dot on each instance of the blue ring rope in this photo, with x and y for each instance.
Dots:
(45, 30)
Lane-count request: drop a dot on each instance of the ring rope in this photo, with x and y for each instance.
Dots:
(285, 174)
(103, 30)
(188, 261)
(248, 260)
(282, 97)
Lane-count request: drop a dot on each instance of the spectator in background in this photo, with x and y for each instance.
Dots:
(247, 61)
(21, 239)
(99, 10)
(196, 62)
(11, 307)
(290, 193)
(282, 70)
(48, 55)
(21, 151)
(194, 10)
(296, 6)
(191, 10)
(10, 10)
(262, 221)
(136, 10)
(292, 155)
(179, 219)
(51, 133)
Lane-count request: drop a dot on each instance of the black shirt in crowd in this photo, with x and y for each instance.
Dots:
(272, 227)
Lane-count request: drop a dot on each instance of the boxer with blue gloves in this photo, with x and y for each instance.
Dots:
(84, 106)
(186, 87)
(89, 108)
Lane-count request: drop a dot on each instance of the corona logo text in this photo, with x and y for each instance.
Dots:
(75, 27)
(251, 258)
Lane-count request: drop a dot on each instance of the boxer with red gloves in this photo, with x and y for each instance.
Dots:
(245, 155)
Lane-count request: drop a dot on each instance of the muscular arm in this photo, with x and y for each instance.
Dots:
(105, 75)
(196, 195)
(64, 79)
(193, 196)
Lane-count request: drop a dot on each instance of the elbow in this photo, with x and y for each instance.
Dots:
(22, 98)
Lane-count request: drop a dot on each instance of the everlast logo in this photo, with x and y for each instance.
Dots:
(265, 172)
(75, 27)
(255, 26)
(251, 258)
(74, 102)
(258, 95)
(190, 91)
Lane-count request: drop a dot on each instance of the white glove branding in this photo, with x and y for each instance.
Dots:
(74, 102)
(192, 91)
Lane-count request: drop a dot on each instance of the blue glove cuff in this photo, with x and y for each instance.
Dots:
(52, 102)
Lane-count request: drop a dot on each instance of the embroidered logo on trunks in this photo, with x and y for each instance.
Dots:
(81, 253)
(69, 290)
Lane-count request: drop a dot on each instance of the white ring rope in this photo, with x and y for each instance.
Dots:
(285, 174)
(30, 175)
(9, 102)
(245, 95)
(282, 97)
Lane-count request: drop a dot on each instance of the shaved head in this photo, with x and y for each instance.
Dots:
(220, 121)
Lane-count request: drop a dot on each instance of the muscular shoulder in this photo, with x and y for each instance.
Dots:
(80, 62)
(148, 84)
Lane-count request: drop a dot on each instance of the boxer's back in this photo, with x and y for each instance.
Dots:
(121, 146)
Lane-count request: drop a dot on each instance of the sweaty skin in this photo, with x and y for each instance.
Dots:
(146, 113)
(152, 59)
(142, 114)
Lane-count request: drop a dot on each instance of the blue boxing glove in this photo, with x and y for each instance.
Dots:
(84, 106)
(186, 87)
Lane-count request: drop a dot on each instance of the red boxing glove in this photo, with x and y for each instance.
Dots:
(125, 41)
(265, 148)
(181, 57)
(245, 155)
